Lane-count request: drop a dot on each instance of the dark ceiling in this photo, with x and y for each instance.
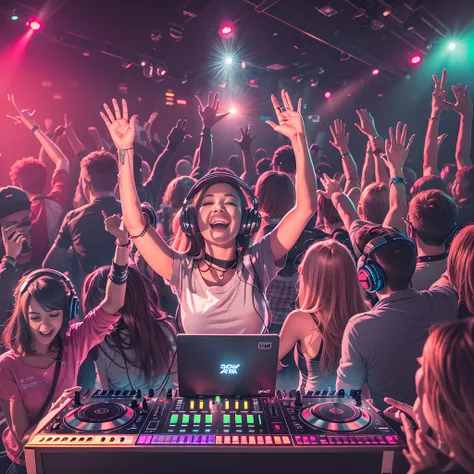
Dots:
(262, 38)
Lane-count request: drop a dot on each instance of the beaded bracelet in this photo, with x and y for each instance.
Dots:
(35, 127)
(145, 229)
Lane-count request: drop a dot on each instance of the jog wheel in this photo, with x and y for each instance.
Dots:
(335, 416)
(106, 416)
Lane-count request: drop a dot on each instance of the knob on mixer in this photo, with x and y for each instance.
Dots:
(77, 398)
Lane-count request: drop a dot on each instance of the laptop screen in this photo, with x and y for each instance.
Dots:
(229, 365)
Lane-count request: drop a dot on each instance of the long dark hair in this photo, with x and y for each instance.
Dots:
(51, 294)
(140, 316)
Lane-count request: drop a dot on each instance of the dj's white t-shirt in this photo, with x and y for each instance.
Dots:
(238, 307)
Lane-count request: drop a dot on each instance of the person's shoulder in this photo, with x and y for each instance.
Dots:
(7, 359)
(360, 320)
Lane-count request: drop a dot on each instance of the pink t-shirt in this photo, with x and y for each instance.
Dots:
(30, 386)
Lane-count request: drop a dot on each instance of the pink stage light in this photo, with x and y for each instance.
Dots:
(34, 24)
(226, 30)
(327, 95)
(416, 59)
(375, 72)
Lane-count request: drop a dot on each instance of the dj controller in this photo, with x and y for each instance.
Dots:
(124, 432)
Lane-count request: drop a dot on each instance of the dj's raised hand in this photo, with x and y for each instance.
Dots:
(25, 116)
(290, 121)
(121, 130)
(208, 113)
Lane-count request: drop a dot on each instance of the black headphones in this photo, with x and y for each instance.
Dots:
(251, 218)
(72, 299)
(370, 274)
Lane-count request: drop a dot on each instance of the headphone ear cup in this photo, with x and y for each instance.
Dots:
(244, 223)
(73, 306)
(188, 221)
(256, 220)
(371, 277)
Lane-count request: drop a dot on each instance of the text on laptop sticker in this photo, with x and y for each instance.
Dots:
(229, 369)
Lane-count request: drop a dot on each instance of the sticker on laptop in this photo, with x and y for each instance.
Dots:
(264, 345)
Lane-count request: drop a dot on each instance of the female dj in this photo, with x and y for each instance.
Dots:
(213, 268)
(45, 351)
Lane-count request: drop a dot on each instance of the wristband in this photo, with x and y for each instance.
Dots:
(345, 154)
(145, 229)
(398, 179)
(123, 245)
(36, 127)
(10, 260)
(206, 131)
(434, 118)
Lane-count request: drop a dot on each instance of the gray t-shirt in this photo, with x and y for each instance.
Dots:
(238, 307)
(427, 273)
(380, 347)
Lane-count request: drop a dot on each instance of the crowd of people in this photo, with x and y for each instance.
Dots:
(367, 277)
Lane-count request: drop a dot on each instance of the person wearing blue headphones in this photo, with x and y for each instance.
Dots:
(380, 347)
(45, 349)
(219, 277)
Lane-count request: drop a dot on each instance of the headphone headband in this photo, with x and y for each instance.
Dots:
(220, 177)
(73, 301)
(380, 240)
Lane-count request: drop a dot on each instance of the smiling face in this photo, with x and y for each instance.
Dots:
(220, 214)
(45, 324)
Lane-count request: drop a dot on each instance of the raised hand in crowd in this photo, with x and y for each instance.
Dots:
(290, 122)
(340, 137)
(331, 186)
(432, 140)
(438, 98)
(441, 139)
(367, 123)
(208, 113)
(245, 143)
(114, 225)
(13, 241)
(49, 126)
(245, 140)
(178, 134)
(396, 153)
(340, 141)
(462, 104)
(149, 124)
(25, 116)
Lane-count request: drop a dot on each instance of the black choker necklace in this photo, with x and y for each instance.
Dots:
(225, 264)
(433, 258)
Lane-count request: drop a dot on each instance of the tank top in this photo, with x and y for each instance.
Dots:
(311, 376)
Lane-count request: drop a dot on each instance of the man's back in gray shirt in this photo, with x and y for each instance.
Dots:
(381, 347)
